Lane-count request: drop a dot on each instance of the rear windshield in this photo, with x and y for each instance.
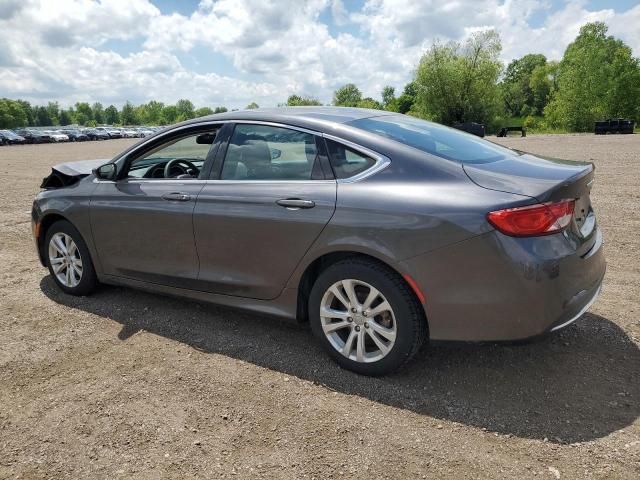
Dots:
(434, 138)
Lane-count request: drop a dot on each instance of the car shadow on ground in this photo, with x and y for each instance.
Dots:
(573, 386)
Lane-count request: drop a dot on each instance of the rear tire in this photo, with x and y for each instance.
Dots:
(366, 317)
(69, 260)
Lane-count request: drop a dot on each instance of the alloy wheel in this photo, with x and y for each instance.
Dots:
(65, 260)
(358, 321)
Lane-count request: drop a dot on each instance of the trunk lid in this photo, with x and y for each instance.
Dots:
(544, 180)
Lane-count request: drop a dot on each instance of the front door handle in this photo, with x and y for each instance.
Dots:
(295, 203)
(177, 197)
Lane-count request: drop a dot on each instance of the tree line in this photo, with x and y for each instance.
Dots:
(597, 78)
(456, 82)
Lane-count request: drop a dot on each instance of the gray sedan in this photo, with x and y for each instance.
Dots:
(379, 229)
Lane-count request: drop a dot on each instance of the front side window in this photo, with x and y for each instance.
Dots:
(181, 157)
(264, 152)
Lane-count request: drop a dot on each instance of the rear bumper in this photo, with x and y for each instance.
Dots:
(494, 287)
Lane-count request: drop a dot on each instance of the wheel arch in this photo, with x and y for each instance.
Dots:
(321, 263)
(45, 223)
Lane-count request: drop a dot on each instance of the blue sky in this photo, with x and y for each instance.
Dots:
(233, 52)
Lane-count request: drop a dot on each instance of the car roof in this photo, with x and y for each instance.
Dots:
(317, 118)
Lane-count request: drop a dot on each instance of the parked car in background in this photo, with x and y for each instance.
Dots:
(96, 134)
(114, 132)
(130, 133)
(144, 132)
(380, 229)
(7, 137)
(56, 135)
(34, 136)
(75, 135)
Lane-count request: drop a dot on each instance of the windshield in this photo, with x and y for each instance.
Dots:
(434, 138)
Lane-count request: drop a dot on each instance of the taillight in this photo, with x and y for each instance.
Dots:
(532, 220)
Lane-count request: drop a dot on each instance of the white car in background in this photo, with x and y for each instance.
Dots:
(130, 133)
(145, 132)
(57, 135)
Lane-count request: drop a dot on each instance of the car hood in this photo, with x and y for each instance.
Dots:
(539, 177)
(81, 167)
(66, 174)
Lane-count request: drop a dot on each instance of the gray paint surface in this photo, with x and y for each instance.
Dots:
(421, 215)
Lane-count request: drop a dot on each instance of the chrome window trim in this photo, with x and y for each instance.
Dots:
(382, 161)
(161, 135)
(278, 125)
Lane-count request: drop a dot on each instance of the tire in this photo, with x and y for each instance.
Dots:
(82, 278)
(400, 330)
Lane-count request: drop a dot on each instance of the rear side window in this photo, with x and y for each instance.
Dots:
(434, 139)
(347, 162)
(264, 152)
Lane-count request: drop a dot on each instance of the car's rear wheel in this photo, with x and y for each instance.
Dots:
(69, 260)
(366, 317)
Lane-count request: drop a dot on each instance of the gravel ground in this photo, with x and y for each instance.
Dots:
(128, 384)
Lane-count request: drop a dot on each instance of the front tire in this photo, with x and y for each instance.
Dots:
(366, 317)
(69, 260)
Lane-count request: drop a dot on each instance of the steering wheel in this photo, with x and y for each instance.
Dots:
(191, 168)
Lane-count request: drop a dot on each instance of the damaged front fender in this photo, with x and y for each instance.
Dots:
(66, 174)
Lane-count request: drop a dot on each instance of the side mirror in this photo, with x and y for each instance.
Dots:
(205, 139)
(108, 171)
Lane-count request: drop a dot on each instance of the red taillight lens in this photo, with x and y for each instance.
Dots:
(532, 220)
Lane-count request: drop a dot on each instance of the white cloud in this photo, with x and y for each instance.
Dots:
(58, 50)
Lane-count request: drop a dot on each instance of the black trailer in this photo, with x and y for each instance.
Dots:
(615, 125)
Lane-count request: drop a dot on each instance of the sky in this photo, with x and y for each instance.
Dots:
(234, 52)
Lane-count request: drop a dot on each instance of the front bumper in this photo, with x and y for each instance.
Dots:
(493, 287)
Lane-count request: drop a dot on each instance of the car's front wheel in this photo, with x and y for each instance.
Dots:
(69, 260)
(366, 316)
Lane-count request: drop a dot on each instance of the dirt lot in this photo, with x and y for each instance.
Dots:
(128, 384)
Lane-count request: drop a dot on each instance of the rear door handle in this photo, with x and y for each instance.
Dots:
(295, 203)
(177, 197)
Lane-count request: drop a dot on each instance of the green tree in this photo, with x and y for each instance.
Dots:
(458, 82)
(299, 101)
(201, 112)
(28, 110)
(150, 113)
(185, 110)
(66, 117)
(169, 114)
(389, 101)
(53, 111)
(111, 115)
(543, 83)
(516, 90)
(128, 115)
(598, 78)
(84, 109)
(220, 110)
(42, 117)
(98, 112)
(404, 103)
(369, 102)
(252, 106)
(347, 96)
(12, 114)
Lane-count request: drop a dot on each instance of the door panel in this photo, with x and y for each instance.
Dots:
(248, 244)
(139, 234)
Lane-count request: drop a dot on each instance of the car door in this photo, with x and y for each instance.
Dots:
(271, 194)
(142, 223)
